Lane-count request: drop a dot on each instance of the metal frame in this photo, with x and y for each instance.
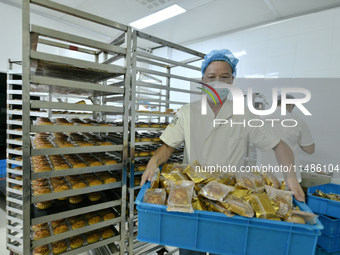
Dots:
(20, 215)
(161, 99)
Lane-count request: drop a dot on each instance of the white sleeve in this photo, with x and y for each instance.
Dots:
(173, 135)
(264, 137)
(305, 138)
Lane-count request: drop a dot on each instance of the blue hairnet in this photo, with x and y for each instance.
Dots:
(222, 55)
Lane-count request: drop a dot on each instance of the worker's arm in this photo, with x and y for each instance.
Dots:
(308, 149)
(162, 154)
(285, 157)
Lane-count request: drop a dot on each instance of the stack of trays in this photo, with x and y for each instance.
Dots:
(329, 216)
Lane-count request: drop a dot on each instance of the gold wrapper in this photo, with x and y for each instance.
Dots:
(260, 183)
(178, 176)
(194, 175)
(155, 180)
(166, 168)
(240, 193)
(262, 206)
(271, 180)
(226, 179)
(281, 200)
(179, 167)
(238, 205)
(215, 206)
(283, 186)
(330, 196)
(198, 187)
(246, 183)
(163, 183)
(198, 204)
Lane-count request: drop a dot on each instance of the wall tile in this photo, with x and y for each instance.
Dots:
(280, 66)
(317, 21)
(313, 61)
(283, 29)
(315, 41)
(255, 35)
(282, 46)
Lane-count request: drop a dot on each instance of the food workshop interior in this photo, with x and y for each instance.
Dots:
(121, 133)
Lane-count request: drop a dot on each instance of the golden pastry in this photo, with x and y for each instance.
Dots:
(93, 237)
(41, 233)
(110, 180)
(41, 250)
(44, 205)
(60, 229)
(179, 196)
(57, 222)
(107, 233)
(144, 153)
(109, 216)
(79, 185)
(94, 220)
(39, 226)
(59, 247)
(61, 188)
(95, 182)
(74, 219)
(76, 242)
(78, 224)
(155, 199)
(17, 187)
(296, 219)
(42, 191)
(95, 196)
(81, 102)
(76, 199)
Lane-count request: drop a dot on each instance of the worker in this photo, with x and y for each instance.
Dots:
(221, 144)
(296, 135)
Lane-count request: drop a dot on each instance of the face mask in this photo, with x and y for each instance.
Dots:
(222, 92)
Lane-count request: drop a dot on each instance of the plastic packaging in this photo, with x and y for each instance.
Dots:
(181, 193)
(305, 217)
(281, 200)
(271, 180)
(262, 206)
(238, 205)
(155, 196)
(155, 179)
(216, 191)
(246, 181)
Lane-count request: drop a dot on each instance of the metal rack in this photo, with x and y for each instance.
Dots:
(161, 100)
(47, 76)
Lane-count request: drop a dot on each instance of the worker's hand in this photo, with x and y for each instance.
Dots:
(294, 186)
(148, 173)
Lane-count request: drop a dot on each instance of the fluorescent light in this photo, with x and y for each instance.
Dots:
(240, 53)
(157, 17)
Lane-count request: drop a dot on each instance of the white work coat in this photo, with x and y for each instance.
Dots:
(293, 136)
(223, 144)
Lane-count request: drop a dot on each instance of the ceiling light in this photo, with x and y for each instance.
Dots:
(157, 17)
(240, 53)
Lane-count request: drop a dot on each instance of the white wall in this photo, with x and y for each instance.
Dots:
(305, 47)
(11, 31)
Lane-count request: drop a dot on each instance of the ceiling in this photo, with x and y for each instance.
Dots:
(203, 18)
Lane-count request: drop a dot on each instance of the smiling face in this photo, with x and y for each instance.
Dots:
(218, 71)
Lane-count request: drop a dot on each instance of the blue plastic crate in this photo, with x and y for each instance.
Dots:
(324, 206)
(320, 251)
(330, 244)
(3, 166)
(331, 226)
(217, 233)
